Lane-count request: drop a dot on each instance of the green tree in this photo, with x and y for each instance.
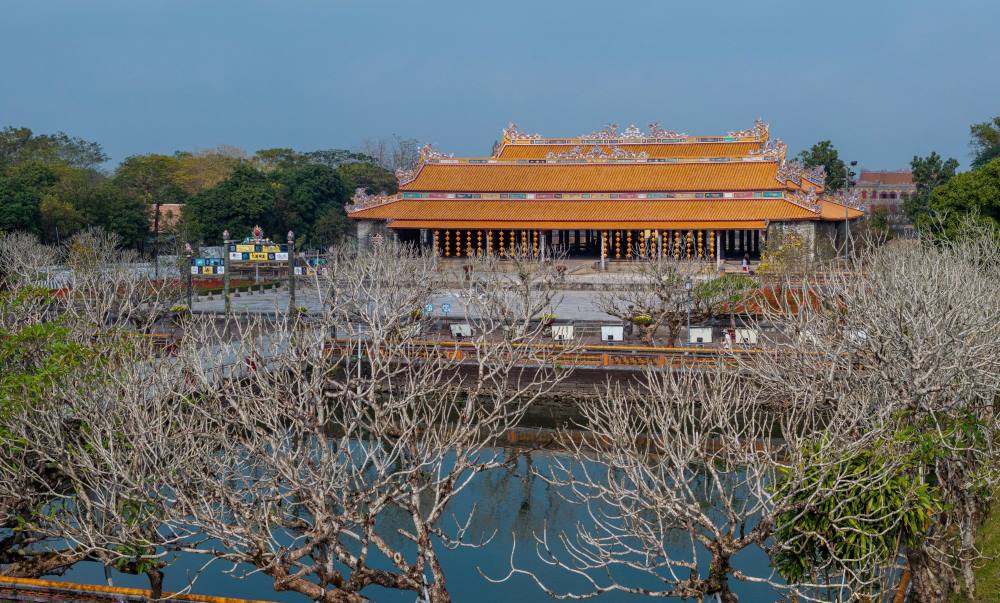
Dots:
(852, 531)
(928, 173)
(18, 145)
(373, 178)
(331, 227)
(302, 194)
(22, 187)
(237, 204)
(198, 172)
(153, 179)
(282, 157)
(58, 219)
(971, 194)
(985, 142)
(824, 154)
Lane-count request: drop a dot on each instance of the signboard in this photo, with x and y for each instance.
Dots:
(446, 308)
(258, 252)
(207, 266)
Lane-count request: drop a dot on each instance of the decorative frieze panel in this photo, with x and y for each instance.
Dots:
(596, 153)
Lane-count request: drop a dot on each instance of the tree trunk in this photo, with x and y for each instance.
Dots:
(155, 584)
(717, 582)
(930, 581)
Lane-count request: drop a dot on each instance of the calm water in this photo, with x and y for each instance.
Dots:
(506, 503)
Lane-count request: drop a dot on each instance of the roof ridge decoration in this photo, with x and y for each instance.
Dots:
(362, 199)
(774, 148)
(807, 200)
(610, 132)
(428, 152)
(850, 199)
(512, 133)
(759, 130)
(790, 170)
(408, 175)
(596, 153)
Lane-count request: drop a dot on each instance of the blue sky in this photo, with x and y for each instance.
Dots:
(883, 79)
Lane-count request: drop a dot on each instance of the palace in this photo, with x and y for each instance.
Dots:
(613, 195)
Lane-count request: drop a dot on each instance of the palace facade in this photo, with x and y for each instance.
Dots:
(612, 194)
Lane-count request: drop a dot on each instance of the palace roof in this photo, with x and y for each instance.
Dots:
(626, 177)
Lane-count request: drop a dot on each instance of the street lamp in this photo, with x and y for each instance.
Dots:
(687, 287)
(847, 195)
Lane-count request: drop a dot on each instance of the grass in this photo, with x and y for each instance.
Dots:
(987, 575)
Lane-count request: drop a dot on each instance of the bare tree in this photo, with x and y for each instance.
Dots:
(677, 473)
(909, 330)
(859, 440)
(341, 441)
(391, 153)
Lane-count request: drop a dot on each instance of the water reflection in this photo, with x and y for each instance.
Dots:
(509, 504)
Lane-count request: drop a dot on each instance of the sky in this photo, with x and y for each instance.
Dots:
(883, 79)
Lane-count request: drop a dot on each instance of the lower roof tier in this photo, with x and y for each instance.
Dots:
(610, 214)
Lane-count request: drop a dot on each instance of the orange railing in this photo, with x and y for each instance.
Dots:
(30, 589)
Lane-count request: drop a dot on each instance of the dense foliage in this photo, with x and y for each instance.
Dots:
(824, 154)
(54, 186)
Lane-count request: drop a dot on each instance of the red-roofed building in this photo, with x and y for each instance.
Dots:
(888, 189)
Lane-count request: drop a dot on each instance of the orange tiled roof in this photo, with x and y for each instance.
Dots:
(596, 177)
(655, 151)
(434, 213)
(831, 210)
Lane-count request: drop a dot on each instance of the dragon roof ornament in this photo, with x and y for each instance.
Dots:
(611, 132)
(774, 148)
(816, 175)
(759, 130)
(851, 199)
(406, 176)
(362, 199)
(597, 153)
(790, 170)
(511, 133)
(807, 200)
(427, 153)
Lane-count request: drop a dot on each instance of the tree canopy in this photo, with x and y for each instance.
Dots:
(985, 141)
(824, 154)
(285, 197)
(975, 193)
(928, 173)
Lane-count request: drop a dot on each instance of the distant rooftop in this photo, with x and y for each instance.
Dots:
(886, 177)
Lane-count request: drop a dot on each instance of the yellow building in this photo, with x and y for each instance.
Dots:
(612, 194)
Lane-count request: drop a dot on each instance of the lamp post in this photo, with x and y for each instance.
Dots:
(687, 287)
(225, 270)
(291, 274)
(847, 221)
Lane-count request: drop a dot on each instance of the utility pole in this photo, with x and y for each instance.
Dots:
(291, 273)
(189, 253)
(688, 285)
(225, 269)
(847, 221)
